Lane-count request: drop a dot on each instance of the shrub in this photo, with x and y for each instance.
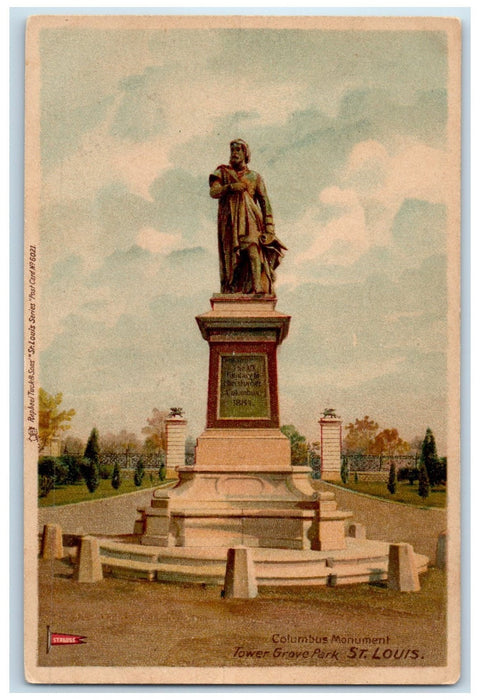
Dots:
(162, 472)
(46, 466)
(442, 470)
(45, 485)
(139, 473)
(430, 459)
(392, 479)
(90, 474)
(408, 474)
(92, 450)
(105, 471)
(53, 468)
(116, 479)
(423, 482)
(344, 472)
(74, 466)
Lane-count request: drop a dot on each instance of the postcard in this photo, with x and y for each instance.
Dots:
(242, 350)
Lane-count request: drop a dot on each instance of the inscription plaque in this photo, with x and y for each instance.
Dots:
(243, 387)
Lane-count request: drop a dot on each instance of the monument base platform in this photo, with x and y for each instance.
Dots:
(362, 561)
(253, 506)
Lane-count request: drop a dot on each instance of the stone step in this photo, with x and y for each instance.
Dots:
(273, 567)
(135, 552)
(128, 568)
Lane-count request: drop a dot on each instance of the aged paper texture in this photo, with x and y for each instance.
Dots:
(295, 517)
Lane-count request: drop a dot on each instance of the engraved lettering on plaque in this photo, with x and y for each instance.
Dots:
(243, 387)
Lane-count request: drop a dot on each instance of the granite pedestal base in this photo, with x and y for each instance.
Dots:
(253, 506)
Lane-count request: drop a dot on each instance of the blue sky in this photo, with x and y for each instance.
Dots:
(348, 129)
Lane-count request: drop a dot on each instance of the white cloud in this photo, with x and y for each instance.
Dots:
(102, 158)
(348, 228)
(411, 171)
(157, 242)
(416, 171)
(373, 177)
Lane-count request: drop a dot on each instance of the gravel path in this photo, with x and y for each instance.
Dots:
(107, 516)
(393, 522)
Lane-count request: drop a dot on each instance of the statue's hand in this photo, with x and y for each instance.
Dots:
(238, 186)
(268, 237)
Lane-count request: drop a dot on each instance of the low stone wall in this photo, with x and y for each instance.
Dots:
(393, 522)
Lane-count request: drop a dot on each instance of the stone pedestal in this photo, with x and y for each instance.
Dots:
(52, 542)
(402, 569)
(331, 447)
(243, 332)
(175, 427)
(240, 581)
(243, 489)
(89, 567)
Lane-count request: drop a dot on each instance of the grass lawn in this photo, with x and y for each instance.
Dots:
(405, 493)
(75, 493)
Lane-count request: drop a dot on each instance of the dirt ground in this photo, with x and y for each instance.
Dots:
(130, 623)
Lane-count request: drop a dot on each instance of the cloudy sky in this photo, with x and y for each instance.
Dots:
(348, 129)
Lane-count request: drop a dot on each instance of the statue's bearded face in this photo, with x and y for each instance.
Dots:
(237, 154)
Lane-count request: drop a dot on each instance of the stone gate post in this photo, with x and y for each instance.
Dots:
(331, 445)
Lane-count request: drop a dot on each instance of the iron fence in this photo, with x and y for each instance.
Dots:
(378, 463)
(129, 460)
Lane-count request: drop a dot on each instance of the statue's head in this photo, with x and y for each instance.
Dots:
(238, 148)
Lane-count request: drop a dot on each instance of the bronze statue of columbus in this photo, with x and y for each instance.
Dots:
(248, 249)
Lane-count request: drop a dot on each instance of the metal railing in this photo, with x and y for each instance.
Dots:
(378, 463)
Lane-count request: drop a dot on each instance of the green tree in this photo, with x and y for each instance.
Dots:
(423, 483)
(116, 479)
(90, 470)
(51, 421)
(139, 473)
(92, 450)
(360, 435)
(90, 474)
(429, 458)
(298, 444)
(344, 471)
(392, 479)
